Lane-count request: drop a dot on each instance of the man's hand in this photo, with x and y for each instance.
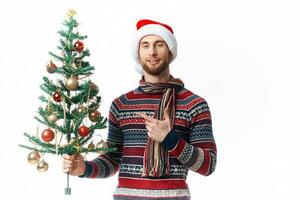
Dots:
(73, 164)
(157, 129)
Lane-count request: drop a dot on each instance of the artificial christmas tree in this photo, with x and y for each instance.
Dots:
(69, 114)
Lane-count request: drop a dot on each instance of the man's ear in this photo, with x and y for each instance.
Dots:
(170, 55)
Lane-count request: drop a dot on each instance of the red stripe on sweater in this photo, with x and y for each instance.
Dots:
(204, 169)
(184, 95)
(181, 107)
(133, 151)
(206, 145)
(132, 95)
(179, 148)
(95, 170)
(152, 184)
(130, 121)
(132, 107)
(195, 101)
(201, 116)
(182, 122)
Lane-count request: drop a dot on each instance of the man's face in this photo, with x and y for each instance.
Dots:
(154, 54)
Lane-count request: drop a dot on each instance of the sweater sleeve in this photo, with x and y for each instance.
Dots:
(108, 164)
(200, 153)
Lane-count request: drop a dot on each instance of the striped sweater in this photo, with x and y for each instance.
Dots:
(190, 143)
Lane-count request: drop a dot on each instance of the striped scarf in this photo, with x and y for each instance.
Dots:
(156, 158)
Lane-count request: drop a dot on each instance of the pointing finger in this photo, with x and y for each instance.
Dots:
(146, 117)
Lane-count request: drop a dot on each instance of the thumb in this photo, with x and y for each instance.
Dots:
(167, 119)
(78, 157)
(167, 115)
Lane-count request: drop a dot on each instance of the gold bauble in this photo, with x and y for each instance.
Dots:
(81, 109)
(71, 83)
(102, 144)
(91, 146)
(42, 166)
(33, 157)
(52, 118)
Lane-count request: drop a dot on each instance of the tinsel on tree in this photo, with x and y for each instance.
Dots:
(70, 105)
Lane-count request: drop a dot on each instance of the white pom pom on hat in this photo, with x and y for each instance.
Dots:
(150, 27)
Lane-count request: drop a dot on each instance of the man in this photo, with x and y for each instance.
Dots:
(161, 129)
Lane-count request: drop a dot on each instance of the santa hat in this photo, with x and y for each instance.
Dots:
(149, 27)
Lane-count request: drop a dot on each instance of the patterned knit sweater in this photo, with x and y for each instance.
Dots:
(191, 146)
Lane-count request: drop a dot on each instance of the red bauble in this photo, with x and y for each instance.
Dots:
(83, 131)
(94, 116)
(57, 96)
(51, 67)
(94, 87)
(48, 135)
(79, 46)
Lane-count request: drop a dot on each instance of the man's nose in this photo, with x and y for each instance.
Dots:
(152, 51)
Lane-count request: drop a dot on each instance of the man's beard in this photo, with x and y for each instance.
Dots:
(157, 70)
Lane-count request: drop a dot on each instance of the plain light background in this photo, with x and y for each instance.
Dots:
(241, 56)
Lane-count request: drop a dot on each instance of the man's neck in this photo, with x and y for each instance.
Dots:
(163, 77)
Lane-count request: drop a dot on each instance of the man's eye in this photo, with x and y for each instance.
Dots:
(160, 45)
(144, 46)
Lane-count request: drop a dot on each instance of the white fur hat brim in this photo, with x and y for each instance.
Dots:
(153, 29)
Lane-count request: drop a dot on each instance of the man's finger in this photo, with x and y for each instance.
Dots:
(66, 156)
(67, 166)
(146, 117)
(66, 170)
(166, 115)
(68, 161)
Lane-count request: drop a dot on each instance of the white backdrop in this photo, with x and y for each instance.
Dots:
(241, 56)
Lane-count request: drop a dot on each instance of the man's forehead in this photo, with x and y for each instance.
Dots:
(152, 38)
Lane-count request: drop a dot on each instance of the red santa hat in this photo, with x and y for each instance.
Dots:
(149, 27)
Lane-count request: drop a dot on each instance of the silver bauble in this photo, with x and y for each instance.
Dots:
(102, 144)
(42, 166)
(33, 157)
(52, 118)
